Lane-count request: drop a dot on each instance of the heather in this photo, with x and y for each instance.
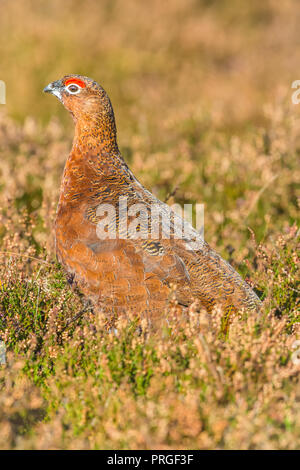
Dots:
(202, 96)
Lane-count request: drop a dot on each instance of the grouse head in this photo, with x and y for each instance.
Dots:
(84, 98)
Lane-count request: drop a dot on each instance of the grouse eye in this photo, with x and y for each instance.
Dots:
(73, 88)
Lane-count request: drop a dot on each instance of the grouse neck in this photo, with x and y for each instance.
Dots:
(96, 133)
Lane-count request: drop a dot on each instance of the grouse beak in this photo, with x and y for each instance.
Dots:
(48, 88)
(55, 88)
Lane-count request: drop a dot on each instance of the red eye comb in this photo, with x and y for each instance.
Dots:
(77, 81)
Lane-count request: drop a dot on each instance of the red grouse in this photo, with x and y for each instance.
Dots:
(132, 261)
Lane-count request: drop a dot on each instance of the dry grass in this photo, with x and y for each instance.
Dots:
(202, 99)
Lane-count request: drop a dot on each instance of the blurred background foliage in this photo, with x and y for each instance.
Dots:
(221, 57)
